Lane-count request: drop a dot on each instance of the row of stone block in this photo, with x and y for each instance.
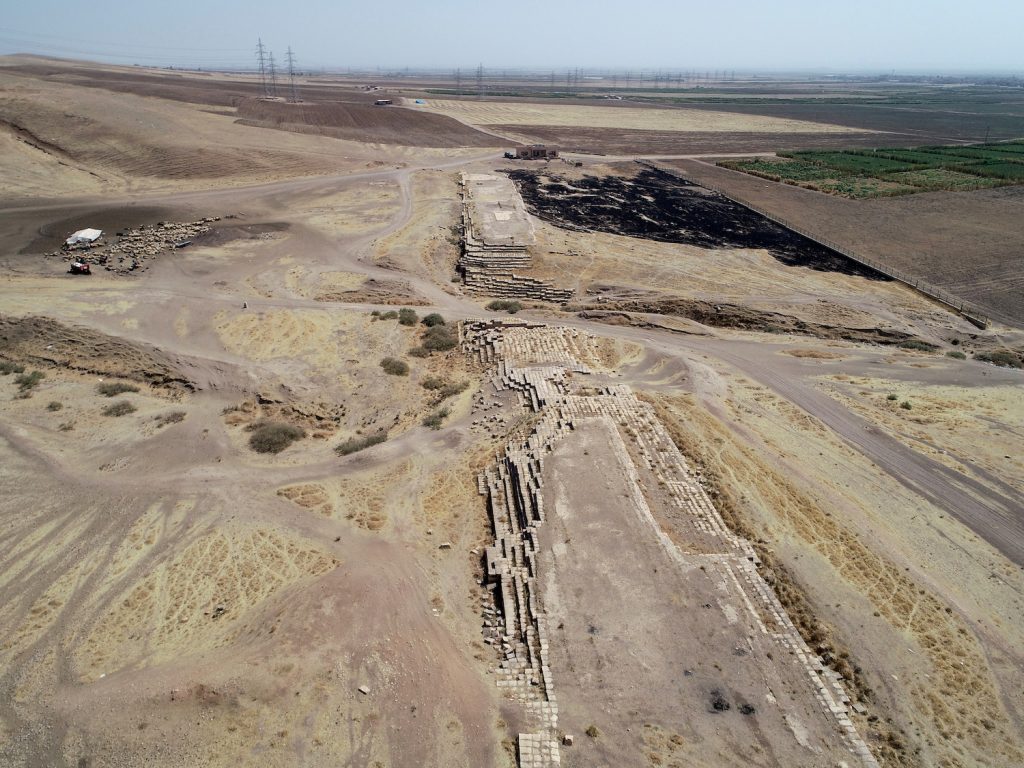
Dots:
(506, 284)
(516, 507)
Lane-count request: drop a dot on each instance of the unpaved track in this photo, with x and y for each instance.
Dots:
(995, 516)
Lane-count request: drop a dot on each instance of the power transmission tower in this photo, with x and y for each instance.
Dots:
(458, 82)
(261, 61)
(272, 71)
(480, 81)
(291, 76)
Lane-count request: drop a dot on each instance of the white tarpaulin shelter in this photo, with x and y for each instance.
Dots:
(84, 236)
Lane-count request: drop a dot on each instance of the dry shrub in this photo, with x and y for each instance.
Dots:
(439, 338)
(505, 305)
(436, 419)
(169, 418)
(121, 408)
(114, 388)
(356, 444)
(7, 367)
(28, 381)
(274, 436)
(394, 367)
(1001, 357)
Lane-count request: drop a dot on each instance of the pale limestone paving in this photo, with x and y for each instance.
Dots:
(497, 232)
(536, 363)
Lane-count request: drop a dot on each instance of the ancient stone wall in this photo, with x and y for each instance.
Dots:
(496, 235)
(541, 365)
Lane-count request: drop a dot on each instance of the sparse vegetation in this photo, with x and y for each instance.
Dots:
(439, 338)
(7, 367)
(892, 397)
(433, 319)
(407, 316)
(956, 354)
(505, 305)
(436, 419)
(28, 381)
(905, 405)
(1001, 357)
(120, 408)
(592, 731)
(274, 436)
(433, 382)
(394, 367)
(67, 426)
(54, 405)
(389, 315)
(442, 388)
(114, 388)
(169, 418)
(356, 444)
(917, 345)
(419, 352)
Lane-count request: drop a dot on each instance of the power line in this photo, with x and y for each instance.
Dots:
(291, 75)
(272, 70)
(261, 63)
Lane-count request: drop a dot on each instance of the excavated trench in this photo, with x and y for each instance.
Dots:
(655, 205)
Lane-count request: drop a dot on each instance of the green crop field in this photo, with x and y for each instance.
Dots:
(944, 179)
(975, 152)
(858, 187)
(776, 170)
(860, 173)
(854, 163)
(1011, 149)
(1010, 171)
(924, 159)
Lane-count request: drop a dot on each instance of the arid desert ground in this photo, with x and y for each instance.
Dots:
(713, 496)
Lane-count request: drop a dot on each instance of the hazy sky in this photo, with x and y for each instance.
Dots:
(907, 35)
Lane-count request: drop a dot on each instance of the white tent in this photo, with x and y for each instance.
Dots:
(84, 236)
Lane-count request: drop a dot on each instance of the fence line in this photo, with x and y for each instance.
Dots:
(970, 311)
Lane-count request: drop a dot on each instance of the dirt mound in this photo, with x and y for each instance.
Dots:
(156, 139)
(655, 205)
(45, 342)
(363, 122)
(745, 318)
(376, 291)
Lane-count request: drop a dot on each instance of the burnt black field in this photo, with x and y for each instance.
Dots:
(654, 205)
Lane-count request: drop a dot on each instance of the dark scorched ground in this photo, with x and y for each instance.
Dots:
(655, 205)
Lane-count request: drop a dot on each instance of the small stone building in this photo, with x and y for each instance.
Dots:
(536, 152)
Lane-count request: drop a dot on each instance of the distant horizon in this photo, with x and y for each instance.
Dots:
(591, 71)
(914, 37)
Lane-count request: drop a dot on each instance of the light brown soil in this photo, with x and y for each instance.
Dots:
(169, 597)
(363, 122)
